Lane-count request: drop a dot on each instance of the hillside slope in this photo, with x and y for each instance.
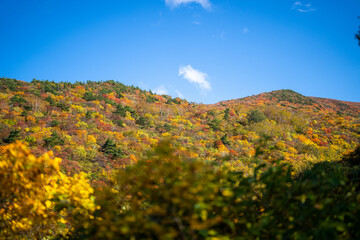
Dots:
(100, 126)
(292, 99)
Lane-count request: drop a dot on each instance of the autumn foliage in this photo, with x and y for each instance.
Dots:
(37, 200)
(224, 174)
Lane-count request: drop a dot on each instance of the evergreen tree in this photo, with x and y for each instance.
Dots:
(14, 135)
(110, 148)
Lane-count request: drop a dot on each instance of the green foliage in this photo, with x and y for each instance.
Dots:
(50, 86)
(9, 83)
(173, 100)
(88, 114)
(13, 136)
(130, 110)
(53, 140)
(151, 99)
(111, 149)
(224, 139)
(27, 108)
(88, 96)
(351, 163)
(119, 122)
(168, 127)
(226, 114)
(104, 91)
(255, 116)
(165, 197)
(291, 96)
(50, 100)
(121, 111)
(31, 140)
(54, 123)
(63, 106)
(353, 158)
(17, 99)
(214, 124)
(211, 113)
(143, 122)
(24, 114)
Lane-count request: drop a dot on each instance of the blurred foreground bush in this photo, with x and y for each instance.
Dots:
(165, 197)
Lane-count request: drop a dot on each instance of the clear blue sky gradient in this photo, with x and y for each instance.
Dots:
(244, 46)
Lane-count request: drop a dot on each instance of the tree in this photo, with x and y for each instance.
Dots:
(255, 116)
(226, 114)
(224, 139)
(143, 122)
(88, 96)
(120, 110)
(215, 124)
(53, 140)
(36, 198)
(110, 148)
(14, 135)
(357, 35)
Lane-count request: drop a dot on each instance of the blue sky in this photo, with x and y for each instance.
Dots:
(202, 50)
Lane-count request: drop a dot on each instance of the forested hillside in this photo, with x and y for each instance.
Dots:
(235, 151)
(99, 126)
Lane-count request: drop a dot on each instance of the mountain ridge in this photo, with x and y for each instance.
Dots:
(294, 98)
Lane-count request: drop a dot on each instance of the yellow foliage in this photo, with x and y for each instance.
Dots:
(223, 149)
(38, 114)
(129, 117)
(133, 159)
(77, 108)
(82, 125)
(80, 152)
(166, 134)
(305, 140)
(8, 122)
(91, 139)
(35, 129)
(4, 96)
(281, 145)
(32, 188)
(57, 148)
(17, 110)
(99, 116)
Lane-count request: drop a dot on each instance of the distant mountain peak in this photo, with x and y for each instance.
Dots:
(288, 95)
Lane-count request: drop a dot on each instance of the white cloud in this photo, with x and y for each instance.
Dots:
(195, 76)
(160, 90)
(180, 95)
(245, 30)
(303, 8)
(176, 3)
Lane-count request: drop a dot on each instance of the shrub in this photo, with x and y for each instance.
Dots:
(88, 96)
(111, 149)
(14, 135)
(53, 140)
(255, 116)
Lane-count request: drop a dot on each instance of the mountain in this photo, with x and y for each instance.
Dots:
(291, 99)
(100, 126)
